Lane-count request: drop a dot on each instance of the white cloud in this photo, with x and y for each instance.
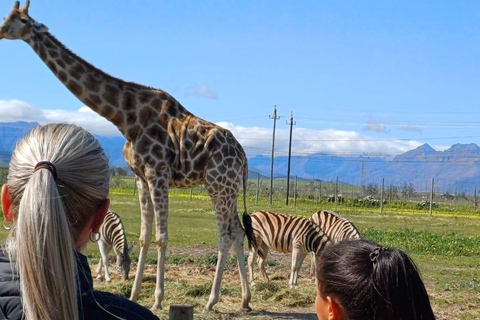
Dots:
(202, 91)
(255, 140)
(86, 118)
(15, 110)
(307, 141)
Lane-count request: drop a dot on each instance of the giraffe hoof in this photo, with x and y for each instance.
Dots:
(245, 309)
(205, 310)
(156, 307)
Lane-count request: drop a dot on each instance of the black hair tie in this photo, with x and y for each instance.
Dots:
(46, 165)
(376, 252)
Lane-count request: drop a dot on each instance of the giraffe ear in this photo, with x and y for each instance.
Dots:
(39, 27)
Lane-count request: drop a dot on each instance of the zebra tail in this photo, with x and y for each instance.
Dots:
(247, 224)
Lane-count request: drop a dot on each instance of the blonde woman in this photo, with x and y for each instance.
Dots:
(54, 200)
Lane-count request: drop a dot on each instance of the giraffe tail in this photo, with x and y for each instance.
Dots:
(247, 219)
(245, 179)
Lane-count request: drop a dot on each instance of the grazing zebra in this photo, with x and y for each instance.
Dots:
(112, 234)
(284, 234)
(335, 227)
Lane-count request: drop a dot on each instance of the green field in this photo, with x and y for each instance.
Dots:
(445, 247)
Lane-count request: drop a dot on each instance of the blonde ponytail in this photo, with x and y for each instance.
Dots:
(50, 213)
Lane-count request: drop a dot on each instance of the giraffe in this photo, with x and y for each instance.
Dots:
(166, 146)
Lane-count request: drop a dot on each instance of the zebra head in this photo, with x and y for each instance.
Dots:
(123, 263)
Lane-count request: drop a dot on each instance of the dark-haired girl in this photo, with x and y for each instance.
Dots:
(359, 279)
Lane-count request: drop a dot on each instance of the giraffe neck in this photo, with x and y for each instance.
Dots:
(112, 98)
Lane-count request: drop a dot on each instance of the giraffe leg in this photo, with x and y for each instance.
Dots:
(214, 294)
(233, 234)
(145, 235)
(238, 247)
(159, 196)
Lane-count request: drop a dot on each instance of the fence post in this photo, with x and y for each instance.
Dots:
(180, 312)
(134, 185)
(191, 194)
(381, 195)
(320, 191)
(336, 193)
(475, 198)
(295, 193)
(431, 199)
(258, 189)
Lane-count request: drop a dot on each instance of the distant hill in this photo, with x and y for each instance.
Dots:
(456, 169)
(11, 132)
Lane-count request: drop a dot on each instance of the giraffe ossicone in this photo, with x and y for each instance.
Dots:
(166, 146)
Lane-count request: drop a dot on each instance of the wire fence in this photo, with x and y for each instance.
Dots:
(336, 195)
(378, 196)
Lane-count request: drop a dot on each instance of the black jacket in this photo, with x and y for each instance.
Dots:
(92, 305)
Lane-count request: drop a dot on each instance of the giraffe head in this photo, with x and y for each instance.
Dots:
(19, 25)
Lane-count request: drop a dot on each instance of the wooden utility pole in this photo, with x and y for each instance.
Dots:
(274, 117)
(291, 123)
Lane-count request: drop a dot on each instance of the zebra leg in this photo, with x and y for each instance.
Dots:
(312, 266)
(145, 234)
(251, 259)
(297, 259)
(261, 262)
(104, 249)
(99, 269)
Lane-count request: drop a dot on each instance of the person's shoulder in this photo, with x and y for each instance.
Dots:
(106, 305)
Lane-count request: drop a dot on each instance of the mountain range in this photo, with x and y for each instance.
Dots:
(456, 169)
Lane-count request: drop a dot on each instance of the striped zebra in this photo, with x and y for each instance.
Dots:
(112, 234)
(336, 227)
(284, 234)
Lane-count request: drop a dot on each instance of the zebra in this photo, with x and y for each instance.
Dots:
(284, 234)
(336, 227)
(112, 234)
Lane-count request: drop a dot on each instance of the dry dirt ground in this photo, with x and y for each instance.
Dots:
(263, 306)
(230, 297)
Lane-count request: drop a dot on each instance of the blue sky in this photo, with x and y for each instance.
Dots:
(360, 77)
